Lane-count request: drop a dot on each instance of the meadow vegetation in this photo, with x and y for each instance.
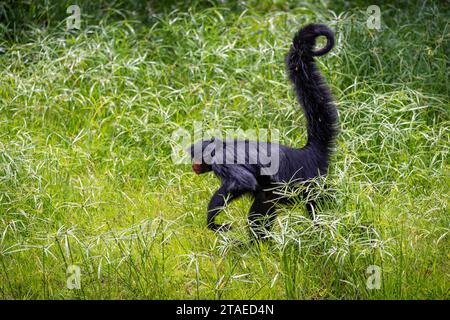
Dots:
(87, 177)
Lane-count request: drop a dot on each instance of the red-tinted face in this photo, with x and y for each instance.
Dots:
(201, 167)
(197, 168)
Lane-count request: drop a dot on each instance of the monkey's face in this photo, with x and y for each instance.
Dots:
(202, 154)
(200, 168)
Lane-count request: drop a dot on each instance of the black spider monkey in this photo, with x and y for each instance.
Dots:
(295, 165)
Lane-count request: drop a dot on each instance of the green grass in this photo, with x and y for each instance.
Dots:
(86, 176)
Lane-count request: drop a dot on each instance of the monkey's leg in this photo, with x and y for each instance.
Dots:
(317, 199)
(262, 214)
(216, 204)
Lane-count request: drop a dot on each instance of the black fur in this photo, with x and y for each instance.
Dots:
(295, 164)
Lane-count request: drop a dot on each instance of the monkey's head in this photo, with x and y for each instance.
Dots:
(202, 154)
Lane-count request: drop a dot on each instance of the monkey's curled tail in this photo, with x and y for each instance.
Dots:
(311, 89)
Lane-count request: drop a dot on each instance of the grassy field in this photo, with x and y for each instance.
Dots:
(87, 177)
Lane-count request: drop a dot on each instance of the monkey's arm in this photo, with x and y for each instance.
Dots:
(216, 203)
